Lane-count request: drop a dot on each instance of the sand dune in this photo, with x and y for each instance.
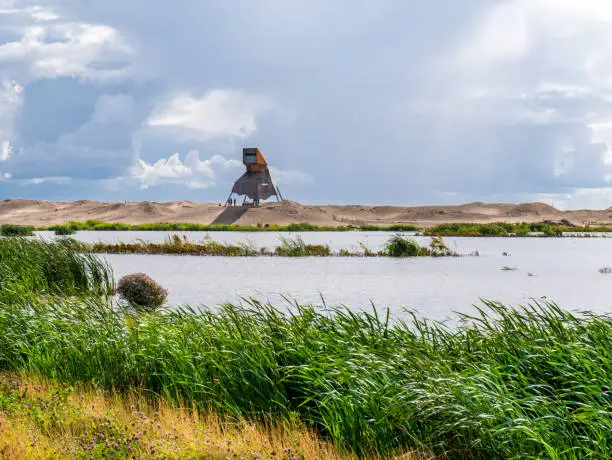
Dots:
(41, 213)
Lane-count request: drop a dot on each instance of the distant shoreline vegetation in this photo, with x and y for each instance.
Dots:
(534, 229)
(495, 229)
(96, 225)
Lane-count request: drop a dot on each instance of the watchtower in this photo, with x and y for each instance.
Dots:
(256, 183)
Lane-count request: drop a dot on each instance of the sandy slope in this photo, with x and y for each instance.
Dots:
(40, 213)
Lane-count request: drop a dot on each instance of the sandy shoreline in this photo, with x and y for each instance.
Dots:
(43, 213)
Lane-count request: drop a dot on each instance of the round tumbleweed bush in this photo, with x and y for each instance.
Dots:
(142, 291)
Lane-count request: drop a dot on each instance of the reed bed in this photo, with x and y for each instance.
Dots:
(397, 246)
(30, 266)
(16, 230)
(531, 382)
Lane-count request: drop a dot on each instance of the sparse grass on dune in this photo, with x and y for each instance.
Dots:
(42, 419)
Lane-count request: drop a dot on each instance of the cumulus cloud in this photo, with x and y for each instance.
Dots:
(194, 173)
(91, 51)
(200, 174)
(218, 113)
(422, 101)
(10, 106)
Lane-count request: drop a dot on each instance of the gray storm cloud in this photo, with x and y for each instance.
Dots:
(421, 102)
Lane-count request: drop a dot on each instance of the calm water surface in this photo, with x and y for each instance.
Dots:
(564, 270)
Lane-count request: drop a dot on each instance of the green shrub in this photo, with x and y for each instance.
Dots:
(142, 292)
(398, 246)
(17, 230)
(63, 230)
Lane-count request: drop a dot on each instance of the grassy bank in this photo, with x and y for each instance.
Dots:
(531, 382)
(397, 246)
(97, 225)
(40, 418)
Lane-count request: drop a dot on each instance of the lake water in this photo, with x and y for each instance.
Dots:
(564, 270)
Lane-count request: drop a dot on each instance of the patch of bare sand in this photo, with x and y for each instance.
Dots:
(43, 213)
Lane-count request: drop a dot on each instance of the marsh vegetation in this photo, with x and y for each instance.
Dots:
(530, 382)
(397, 246)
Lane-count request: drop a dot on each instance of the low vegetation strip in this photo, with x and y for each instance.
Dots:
(523, 229)
(97, 225)
(518, 229)
(397, 246)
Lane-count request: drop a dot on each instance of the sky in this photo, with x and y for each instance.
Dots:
(399, 102)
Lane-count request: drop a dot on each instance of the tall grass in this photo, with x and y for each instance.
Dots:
(296, 247)
(532, 382)
(30, 266)
(178, 245)
(16, 230)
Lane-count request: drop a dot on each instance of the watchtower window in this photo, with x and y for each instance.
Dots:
(250, 157)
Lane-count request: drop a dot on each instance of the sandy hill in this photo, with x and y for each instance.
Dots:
(41, 213)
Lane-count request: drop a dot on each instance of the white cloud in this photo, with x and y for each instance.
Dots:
(194, 173)
(6, 150)
(67, 49)
(41, 14)
(53, 46)
(46, 180)
(11, 100)
(219, 113)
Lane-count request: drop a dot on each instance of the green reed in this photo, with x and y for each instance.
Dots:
(31, 266)
(397, 246)
(532, 382)
(16, 230)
